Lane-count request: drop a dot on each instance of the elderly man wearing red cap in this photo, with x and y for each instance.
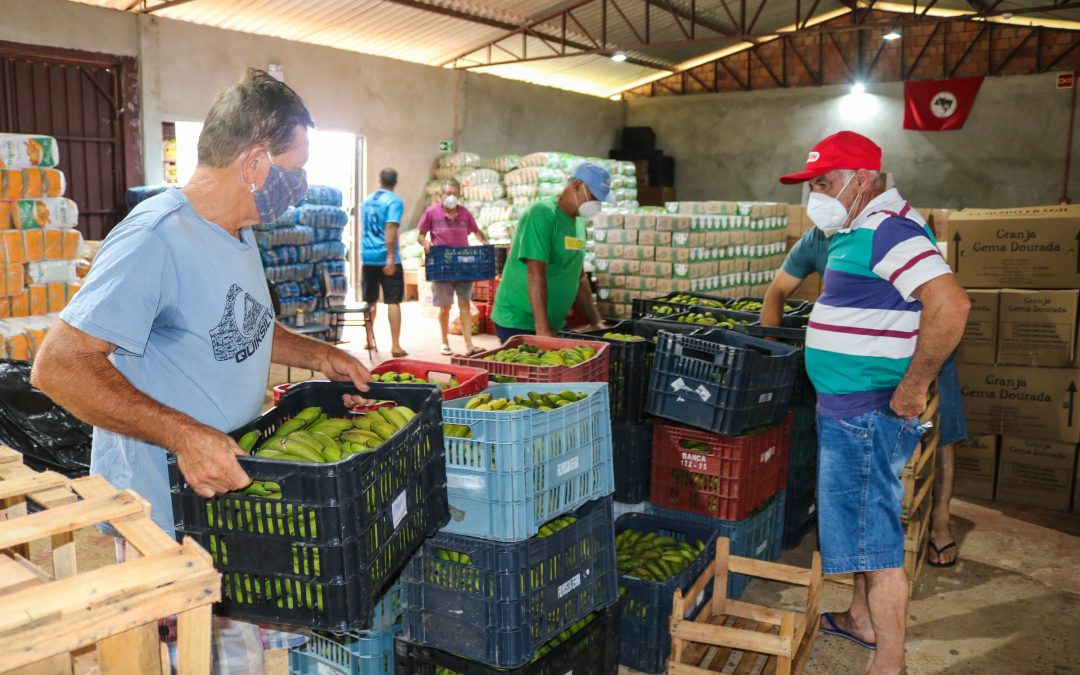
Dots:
(890, 314)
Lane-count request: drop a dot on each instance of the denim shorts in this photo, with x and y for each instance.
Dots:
(952, 426)
(859, 489)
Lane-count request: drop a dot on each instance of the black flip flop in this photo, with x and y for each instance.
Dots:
(833, 629)
(938, 552)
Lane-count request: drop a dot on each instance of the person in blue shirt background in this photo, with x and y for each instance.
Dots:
(381, 256)
(809, 255)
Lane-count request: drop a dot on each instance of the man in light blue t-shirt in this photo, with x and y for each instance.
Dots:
(381, 216)
(170, 340)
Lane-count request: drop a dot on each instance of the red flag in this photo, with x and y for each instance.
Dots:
(939, 105)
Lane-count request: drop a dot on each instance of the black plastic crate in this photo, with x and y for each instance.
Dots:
(644, 307)
(629, 363)
(794, 335)
(511, 598)
(737, 318)
(800, 511)
(721, 381)
(798, 307)
(594, 650)
(320, 555)
(645, 641)
(460, 263)
(632, 446)
(802, 460)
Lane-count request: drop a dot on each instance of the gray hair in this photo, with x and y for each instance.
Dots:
(877, 178)
(449, 183)
(256, 111)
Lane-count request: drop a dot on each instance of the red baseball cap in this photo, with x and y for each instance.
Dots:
(842, 150)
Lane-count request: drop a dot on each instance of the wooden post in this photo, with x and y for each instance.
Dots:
(133, 651)
(720, 576)
(193, 641)
(678, 611)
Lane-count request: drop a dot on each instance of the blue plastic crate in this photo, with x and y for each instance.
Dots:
(388, 608)
(644, 640)
(460, 263)
(721, 381)
(509, 599)
(360, 653)
(757, 536)
(800, 512)
(521, 469)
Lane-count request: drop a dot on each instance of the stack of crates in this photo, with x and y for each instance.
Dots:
(720, 454)
(523, 577)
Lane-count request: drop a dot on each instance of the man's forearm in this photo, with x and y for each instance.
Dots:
(585, 300)
(772, 309)
(940, 330)
(297, 351)
(538, 297)
(391, 243)
(92, 389)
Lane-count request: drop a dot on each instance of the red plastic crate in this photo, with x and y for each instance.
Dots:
(472, 380)
(279, 391)
(593, 370)
(736, 475)
(484, 290)
(485, 324)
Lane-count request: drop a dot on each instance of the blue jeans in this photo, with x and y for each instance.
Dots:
(505, 334)
(860, 460)
(951, 422)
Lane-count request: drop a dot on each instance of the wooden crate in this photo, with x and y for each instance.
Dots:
(726, 632)
(104, 620)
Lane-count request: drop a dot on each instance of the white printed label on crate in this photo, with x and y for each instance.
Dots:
(813, 507)
(459, 481)
(698, 602)
(569, 585)
(765, 398)
(703, 393)
(468, 259)
(764, 545)
(566, 467)
(323, 669)
(399, 508)
(679, 384)
(768, 454)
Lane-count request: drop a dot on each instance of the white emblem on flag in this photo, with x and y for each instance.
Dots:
(943, 104)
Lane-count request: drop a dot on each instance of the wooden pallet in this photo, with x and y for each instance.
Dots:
(734, 636)
(104, 620)
(918, 479)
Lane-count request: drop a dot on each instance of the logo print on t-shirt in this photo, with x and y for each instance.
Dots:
(238, 337)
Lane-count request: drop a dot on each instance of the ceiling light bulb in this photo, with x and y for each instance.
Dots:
(618, 57)
(858, 88)
(892, 35)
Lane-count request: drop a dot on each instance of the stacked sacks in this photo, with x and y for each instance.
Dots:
(38, 242)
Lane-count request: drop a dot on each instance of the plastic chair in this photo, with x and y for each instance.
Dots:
(344, 316)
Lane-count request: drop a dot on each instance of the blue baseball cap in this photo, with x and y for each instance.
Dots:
(597, 179)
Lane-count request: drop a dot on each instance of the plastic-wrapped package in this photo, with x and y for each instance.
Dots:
(27, 214)
(52, 271)
(315, 215)
(459, 160)
(328, 250)
(21, 151)
(330, 267)
(12, 279)
(502, 163)
(479, 177)
(324, 195)
(328, 234)
(21, 183)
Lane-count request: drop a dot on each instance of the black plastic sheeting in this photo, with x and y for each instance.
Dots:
(48, 436)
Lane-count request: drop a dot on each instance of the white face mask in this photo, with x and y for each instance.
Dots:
(589, 210)
(450, 202)
(827, 212)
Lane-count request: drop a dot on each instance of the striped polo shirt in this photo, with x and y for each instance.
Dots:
(865, 325)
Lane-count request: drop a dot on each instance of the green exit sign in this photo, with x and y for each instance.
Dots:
(446, 146)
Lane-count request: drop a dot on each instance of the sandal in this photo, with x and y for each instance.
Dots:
(473, 352)
(399, 355)
(445, 350)
(833, 629)
(938, 552)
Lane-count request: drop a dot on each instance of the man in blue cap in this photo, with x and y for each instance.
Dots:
(543, 275)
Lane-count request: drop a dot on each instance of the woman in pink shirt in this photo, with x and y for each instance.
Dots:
(450, 224)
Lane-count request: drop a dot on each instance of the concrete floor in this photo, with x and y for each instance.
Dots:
(1011, 606)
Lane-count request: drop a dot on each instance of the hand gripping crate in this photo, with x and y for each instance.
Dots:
(593, 370)
(471, 381)
(509, 599)
(753, 636)
(460, 263)
(629, 363)
(646, 605)
(718, 476)
(341, 531)
(721, 381)
(520, 469)
(758, 536)
(105, 619)
(593, 650)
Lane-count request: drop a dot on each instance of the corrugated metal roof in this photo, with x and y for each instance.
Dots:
(402, 29)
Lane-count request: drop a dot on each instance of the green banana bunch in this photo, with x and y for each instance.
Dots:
(624, 337)
(686, 299)
(653, 557)
(532, 355)
(552, 526)
(534, 401)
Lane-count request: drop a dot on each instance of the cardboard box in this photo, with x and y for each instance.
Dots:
(975, 467)
(654, 238)
(980, 341)
(1036, 473)
(1032, 247)
(1037, 328)
(1076, 490)
(1021, 401)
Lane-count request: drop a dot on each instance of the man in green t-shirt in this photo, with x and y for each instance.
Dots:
(543, 274)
